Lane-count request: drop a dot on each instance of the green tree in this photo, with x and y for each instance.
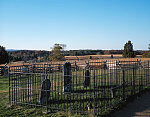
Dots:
(56, 53)
(128, 50)
(147, 55)
(3, 55)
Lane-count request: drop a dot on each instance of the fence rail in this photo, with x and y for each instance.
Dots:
(93, 87)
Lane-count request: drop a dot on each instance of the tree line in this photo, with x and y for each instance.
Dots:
(57, 53)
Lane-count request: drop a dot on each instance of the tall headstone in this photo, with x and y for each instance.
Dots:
(87, 79)
(67, 77)
(45, 91)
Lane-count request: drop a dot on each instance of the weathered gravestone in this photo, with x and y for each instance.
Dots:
(67, 77)
(105, 66)
(45, 91)
(113, 93)
(87, 79)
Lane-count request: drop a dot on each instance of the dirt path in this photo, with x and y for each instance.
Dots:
(138, 108)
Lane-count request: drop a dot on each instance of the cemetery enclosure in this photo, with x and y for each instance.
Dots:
(93, 87)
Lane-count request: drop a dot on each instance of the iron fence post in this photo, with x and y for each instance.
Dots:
(148, 72)
(116, 77)
(133, 80)
(141, 82)
(139, 78)
(94, 92)
(46, 92)
(123, 93)
(9, 85)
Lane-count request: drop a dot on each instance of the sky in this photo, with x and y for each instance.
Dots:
(80, 24)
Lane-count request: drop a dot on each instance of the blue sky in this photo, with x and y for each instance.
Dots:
(80, 24)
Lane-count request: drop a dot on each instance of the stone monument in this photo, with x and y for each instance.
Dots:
(87, 79)
(67, 77)
(45, 91)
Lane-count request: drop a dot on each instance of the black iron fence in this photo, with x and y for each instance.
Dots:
(90, 88)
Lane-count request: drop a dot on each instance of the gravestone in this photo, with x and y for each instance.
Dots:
(113, 93)
(45, 91)
(67, 77)
(104, 65)
(89, 106)
(87, 79)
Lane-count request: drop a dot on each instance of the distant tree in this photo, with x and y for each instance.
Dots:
(147, 55)
(111, 56)
(149, 47)
(56, 53)
(128, 50)
(3, 55)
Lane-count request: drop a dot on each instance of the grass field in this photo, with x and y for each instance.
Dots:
(16, 110)
(20, 111)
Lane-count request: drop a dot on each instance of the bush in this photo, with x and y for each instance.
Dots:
(3, 55)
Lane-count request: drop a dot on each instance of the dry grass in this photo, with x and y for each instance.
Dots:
(82, 60)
